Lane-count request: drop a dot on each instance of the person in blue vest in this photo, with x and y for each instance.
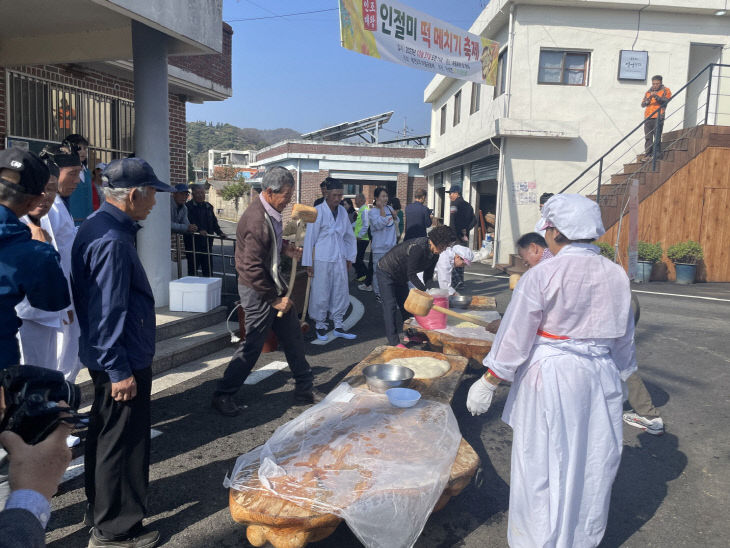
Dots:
(81, 201)
(28, 268)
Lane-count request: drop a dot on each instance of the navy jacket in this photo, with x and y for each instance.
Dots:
(418, 219)
(27, 268)
(112, 295)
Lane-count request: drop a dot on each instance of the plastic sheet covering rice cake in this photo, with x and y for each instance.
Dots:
(378, 467)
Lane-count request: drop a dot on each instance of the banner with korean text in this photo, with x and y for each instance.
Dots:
(395, 32)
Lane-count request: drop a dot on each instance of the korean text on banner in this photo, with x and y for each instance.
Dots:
(398, 33)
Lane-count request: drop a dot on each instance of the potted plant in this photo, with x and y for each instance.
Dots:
(685, 255)
(647, 254)
(607, 250)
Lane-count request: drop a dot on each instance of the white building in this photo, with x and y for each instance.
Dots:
(230, 158)
(559, 103)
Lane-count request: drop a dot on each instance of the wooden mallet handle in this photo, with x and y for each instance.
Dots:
(466, 317)
(292, 277)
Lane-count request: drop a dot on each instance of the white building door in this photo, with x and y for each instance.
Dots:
(697, 104)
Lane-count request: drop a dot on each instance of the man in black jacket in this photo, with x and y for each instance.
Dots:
(462, 221)
(400, 266)
(200, 213)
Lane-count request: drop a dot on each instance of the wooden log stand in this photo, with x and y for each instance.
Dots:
(284, 524)
(475, 349)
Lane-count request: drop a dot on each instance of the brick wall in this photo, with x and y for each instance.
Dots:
(3, 121)
(216, 67)
(178, 141)
(339, 150)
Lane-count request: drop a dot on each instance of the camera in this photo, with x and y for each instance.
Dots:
(31, 401)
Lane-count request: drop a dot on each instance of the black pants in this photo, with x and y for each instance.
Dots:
(201, 259)
(361, 269)
(260, 317)
(653, 126)
(457, 276)
(117, 458)
(393, 295)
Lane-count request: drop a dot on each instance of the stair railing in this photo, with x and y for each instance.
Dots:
(603, 164)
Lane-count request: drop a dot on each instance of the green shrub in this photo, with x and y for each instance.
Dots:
(650, 253)
(606, 250)
(688, 252)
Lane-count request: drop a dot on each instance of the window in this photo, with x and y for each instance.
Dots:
(47, 111)
(475, 96)
(457, 107)
(443, 119)
(500, 84)
(565, 68)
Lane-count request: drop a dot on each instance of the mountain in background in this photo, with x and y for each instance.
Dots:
(202, 136)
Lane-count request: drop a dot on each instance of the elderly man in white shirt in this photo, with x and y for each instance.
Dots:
(60, 224)
(332, 240)
(565, 343)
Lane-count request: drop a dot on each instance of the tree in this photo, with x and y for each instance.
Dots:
(234, 192)
(191, 169)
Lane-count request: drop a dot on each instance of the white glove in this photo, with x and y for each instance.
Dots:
(480, 396)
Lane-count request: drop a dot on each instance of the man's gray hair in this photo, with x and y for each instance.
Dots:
(276, 179)
(120, 194)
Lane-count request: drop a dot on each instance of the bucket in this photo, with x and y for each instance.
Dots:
(643, 271)
(435, 319)
(685, 273)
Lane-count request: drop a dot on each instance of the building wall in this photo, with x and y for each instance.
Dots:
(310, 147)
(216, 68)
(603, 111)
(84, 78)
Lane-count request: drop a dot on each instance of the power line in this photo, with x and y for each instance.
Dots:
(279, 16)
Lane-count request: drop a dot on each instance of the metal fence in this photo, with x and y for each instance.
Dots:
(215, 258)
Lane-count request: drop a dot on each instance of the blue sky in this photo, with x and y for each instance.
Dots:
(292, 72)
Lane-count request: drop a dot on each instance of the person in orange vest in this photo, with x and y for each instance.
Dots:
(66, 115)
(655, 99)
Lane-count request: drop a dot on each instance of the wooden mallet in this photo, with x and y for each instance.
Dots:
(420, 303)
(302, 214)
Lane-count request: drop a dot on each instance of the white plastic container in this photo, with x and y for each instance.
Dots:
(193, 294)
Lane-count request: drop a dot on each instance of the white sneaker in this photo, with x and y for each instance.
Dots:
(72, 441)
(651, 426)
(343, 333)
(363, 287)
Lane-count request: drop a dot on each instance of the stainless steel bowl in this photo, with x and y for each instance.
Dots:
(382, 376)
(459, 301)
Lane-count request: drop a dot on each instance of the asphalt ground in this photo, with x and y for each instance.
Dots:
(671, 490)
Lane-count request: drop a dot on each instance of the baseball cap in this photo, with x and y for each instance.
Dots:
(455, 188)
(182, 187)
(132, 172)
(26, 172)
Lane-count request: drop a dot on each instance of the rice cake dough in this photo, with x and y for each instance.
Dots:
(424, 367)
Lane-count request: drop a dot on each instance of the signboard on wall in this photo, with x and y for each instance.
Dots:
(524, 193)
(633, 65)
(400, 34)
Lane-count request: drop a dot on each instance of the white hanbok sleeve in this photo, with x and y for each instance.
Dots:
(623, 351)
(349, 241)
(310, 239)
(444, 266)
(518, 330)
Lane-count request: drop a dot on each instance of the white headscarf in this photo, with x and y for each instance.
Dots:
(464, 252)
(575, 216)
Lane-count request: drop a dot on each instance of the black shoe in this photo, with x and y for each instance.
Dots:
(146, 539)
(308, 398)
(225, 405)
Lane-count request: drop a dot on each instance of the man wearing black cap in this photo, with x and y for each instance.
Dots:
(116, 312)
(27, 267)
(60, 223)
(462, 221)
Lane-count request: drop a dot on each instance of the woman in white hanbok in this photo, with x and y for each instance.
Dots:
(565, 343)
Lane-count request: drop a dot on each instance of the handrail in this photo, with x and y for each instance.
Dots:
(676, 94)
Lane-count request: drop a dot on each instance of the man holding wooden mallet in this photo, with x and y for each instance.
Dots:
(263, 292)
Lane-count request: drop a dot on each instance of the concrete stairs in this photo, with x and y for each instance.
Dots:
(181, 338)
(679, 147)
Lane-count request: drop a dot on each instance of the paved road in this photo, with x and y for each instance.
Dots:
(670, 490)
